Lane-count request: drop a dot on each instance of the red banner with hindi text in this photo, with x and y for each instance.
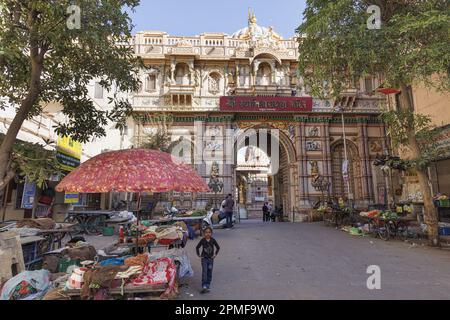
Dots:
(279, 104)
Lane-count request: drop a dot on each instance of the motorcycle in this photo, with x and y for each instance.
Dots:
(218, 221)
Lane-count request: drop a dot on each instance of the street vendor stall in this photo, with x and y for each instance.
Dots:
(39, 236)
(139, 171)
(93, 222)
(387, 224)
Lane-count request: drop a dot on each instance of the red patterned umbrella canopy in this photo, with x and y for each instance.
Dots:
(132, 170)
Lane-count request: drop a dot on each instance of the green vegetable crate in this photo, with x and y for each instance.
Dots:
(66, 263)
(108, 231)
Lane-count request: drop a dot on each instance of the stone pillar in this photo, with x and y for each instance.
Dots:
(228, 160)
(326, 149)
(300, 143)
(363, 151)
(249, 192)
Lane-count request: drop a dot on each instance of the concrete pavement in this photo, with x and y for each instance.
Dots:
(311, 261)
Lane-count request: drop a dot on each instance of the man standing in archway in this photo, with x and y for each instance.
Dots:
(228, 209)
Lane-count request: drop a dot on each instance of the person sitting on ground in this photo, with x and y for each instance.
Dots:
(207, 243)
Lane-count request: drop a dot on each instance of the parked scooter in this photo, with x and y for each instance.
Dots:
(213, 222)
(172, 211)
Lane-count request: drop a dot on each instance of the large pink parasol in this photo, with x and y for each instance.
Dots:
(132, 170)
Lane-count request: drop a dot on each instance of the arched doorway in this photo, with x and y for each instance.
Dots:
(339, 185)
(262, 170)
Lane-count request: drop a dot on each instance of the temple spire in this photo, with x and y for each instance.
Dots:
(251, 17)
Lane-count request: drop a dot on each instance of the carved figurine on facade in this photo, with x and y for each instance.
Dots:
(214, 183)
(230, 79)
(319, 182)
(314, 169)
(213, 83)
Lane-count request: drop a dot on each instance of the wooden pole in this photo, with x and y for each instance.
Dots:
(137, 222)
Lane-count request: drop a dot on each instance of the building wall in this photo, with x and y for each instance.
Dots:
(437, 105)
(433, 103)
(185, 78)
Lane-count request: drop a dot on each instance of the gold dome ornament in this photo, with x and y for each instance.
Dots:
(251, 18)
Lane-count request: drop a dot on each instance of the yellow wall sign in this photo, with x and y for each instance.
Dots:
(68, 153)
(70, 197)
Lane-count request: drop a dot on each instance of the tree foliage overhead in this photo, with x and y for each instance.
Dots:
(337, 47)
(400, 122)
(161, 138)
(41, 57)
(33, 162)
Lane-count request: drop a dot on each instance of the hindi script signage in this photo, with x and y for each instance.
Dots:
(247, 103)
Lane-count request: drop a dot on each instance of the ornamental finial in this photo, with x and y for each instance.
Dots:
(251, 17)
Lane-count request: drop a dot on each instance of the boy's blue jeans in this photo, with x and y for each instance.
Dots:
(207, 268)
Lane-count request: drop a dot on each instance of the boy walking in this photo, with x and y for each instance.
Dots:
(208, 243)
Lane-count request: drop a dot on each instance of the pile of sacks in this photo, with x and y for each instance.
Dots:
(76, 250)
(162, 235)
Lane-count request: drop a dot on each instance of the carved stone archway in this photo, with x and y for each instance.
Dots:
(287, 170)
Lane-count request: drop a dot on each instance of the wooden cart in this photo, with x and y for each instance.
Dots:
(130, 290)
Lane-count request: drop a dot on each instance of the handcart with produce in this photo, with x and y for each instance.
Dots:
(387, 224)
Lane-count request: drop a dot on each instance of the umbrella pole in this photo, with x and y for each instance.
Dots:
(137, 217)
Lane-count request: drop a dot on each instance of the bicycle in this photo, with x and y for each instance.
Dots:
(379, 228)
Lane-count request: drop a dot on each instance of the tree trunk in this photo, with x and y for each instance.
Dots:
(430, 216)
(6, 172)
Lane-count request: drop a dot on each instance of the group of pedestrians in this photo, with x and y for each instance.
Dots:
(270, 213)
(210, 247)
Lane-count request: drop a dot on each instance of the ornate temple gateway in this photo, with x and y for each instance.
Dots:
(235, 107)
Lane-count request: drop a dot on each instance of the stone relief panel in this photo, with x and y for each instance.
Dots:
(321, 104)
(312, 145)
(313, 132)
(291, 130)
(150, 101)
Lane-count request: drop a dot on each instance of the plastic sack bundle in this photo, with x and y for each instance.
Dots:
(185, 266)
(114, 261)
(27, 285)
(179, 255)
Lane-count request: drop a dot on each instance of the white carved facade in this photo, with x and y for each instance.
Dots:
(187, 75)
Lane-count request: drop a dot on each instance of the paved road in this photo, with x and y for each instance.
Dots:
(310, 261)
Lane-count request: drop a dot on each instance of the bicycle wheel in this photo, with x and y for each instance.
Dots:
(402, 230)
(383, 232)
(95, 225)
(391, 228)
(349, 220)
(77, 228)
(46, 245)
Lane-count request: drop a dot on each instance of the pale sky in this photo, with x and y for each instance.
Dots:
(193, 17)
